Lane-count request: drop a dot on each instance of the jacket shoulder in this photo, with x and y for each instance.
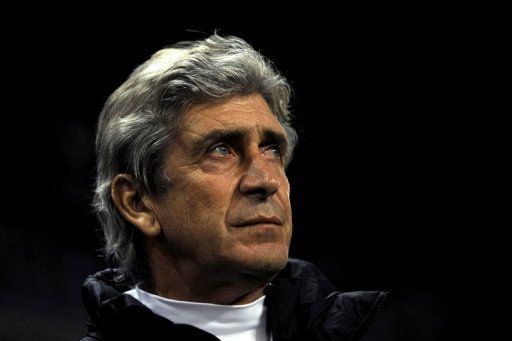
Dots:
(349, 315)
(96, 290)
(101, 287)
(324, 312)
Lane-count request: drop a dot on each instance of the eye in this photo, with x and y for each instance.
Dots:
(274, 151)
(220, 150)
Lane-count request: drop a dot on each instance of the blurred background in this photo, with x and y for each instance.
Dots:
(380, 183)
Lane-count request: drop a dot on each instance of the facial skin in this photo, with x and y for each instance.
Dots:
(223, 228)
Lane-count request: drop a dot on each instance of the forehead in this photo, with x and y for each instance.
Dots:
(246, 112)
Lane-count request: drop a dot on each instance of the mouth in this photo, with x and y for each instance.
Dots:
(260, 221)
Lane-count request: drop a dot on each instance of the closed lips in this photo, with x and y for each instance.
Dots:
(260, 220)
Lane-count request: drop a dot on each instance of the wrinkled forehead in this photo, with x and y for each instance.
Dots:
(246, 113)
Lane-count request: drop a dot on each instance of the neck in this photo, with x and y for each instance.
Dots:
(184, 281)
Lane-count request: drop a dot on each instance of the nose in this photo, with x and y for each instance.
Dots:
(260, 180)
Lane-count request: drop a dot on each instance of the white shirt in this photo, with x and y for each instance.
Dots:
(227, 322)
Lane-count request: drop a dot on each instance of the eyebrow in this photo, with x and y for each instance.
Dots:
(273, 137)
(269, 136)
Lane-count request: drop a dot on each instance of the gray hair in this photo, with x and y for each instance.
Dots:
(141, 117)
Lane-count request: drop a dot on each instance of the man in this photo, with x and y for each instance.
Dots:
(194, 203)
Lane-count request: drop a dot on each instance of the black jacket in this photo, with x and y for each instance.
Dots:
(301, 305)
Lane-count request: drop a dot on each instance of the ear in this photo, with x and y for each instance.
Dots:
(136, 209)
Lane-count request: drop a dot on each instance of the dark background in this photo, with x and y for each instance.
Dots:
(382, 186)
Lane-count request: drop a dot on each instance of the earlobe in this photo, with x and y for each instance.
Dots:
(134, 207)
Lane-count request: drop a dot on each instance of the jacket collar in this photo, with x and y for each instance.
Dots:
(300, 301)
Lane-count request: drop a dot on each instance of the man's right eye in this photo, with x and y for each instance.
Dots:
(220, 150)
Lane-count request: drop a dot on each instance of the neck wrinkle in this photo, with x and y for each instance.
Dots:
(183, 281)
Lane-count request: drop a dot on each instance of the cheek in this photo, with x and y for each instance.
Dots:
(194, 217)
(287, 186)
(285, 192)
(212, 197)
(201, 199)
(217, 188)
(188, 204)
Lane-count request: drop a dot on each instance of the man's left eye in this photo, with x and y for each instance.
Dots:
(274, 151)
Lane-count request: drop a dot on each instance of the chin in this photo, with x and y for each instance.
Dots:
(264, 264)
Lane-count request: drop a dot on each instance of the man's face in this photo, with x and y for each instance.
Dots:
(228, 206)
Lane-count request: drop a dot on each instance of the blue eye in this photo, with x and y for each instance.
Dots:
(221, 149)
(274, 150)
